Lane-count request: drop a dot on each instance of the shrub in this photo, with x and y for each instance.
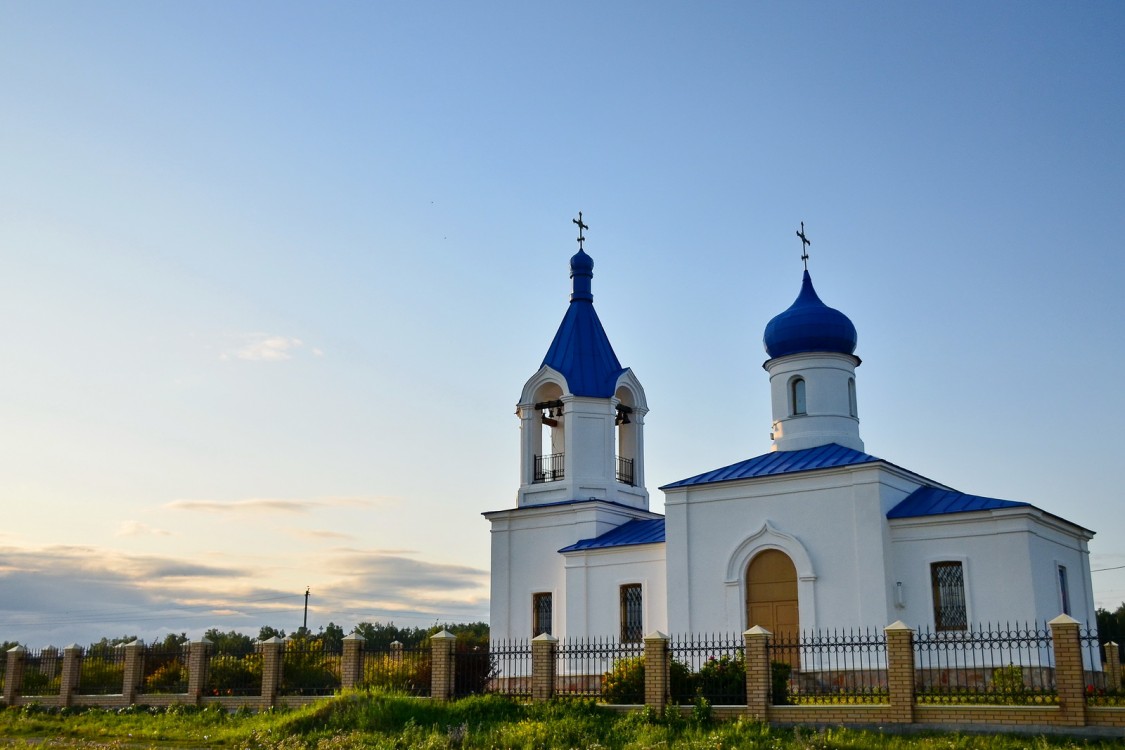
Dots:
(722, 680)
(307, 669)
(779, 682)
(170, 677)
(37, 683)
(100, 676)
(235, 675)
(397, 672)
(625, 682)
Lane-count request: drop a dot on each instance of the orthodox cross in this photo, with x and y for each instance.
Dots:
(581, 226)
(804, 245)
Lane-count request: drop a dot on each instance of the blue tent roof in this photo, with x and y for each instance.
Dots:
(637, 531)
(931, 501)
(581, 350)
(781, 462)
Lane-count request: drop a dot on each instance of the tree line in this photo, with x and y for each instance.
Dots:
(376, 635)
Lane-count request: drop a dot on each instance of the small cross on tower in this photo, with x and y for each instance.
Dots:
(581, 226)
(804, 245)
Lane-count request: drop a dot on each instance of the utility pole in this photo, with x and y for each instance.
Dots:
(305, 626)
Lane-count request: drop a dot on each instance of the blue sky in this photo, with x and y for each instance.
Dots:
(275, 273)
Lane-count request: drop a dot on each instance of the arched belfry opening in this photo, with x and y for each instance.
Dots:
(626, 436)
(549, 441)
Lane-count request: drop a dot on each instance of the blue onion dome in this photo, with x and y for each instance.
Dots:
(809, 325)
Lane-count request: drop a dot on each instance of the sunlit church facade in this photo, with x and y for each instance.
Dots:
(814, 534)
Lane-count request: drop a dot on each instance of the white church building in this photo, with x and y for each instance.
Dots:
(814, 534)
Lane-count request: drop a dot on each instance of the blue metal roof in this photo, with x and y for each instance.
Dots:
(809, 325)
(931, 501)
(781, 462)
(637, 531)
(581, 350)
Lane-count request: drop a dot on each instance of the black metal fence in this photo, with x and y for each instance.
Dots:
(838, 667)
(602, 668)
(625, 470)
(999, 664)
(549, 468)
(407, 669)
(712, 667)
(509, 667)
(235, 670)
(309, 667)
(473, 669)
(42, 673)
(102, 671)
(165, 669)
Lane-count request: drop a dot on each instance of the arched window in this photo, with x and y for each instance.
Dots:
(797, 396)
(851, 398)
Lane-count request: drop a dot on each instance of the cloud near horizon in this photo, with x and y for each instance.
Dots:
(65, 594)
(257, 504)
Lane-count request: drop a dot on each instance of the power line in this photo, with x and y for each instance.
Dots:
(1100, 570)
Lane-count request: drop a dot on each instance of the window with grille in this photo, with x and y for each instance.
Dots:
(632, 614)
(541, 606)
(948, 581)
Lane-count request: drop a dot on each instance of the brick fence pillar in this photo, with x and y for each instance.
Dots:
(134, 670)
(71, 671)
(1069, 680)
(900, 671)
(271, 650)
(1112, 665)
(13, 674)
(198, 653)
(543, 649)
(657, 671)
(758, 673)
(351, 668)
(443, 647)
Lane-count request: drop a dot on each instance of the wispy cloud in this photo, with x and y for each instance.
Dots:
(66, 594)
(137, 528)
(321, 534)
(265, 347)
(257, 504)
(252, 505)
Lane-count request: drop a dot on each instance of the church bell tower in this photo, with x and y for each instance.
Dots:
(582, 414)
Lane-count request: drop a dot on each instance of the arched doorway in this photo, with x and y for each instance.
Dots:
(771, 594)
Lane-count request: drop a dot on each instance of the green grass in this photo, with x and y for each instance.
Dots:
(380, 720)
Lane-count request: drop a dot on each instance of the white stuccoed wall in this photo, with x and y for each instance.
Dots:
(829, 522)
(525, 558)
(594, 580)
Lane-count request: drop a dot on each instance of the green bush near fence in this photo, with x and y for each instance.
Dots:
(625, 682)
(100, 676)
(37, 683)
(228, 674)
(393, 672)
(170, 677)
(307, 667)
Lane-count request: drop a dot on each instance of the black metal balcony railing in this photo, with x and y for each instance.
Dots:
(625, 470)
(549, 468)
